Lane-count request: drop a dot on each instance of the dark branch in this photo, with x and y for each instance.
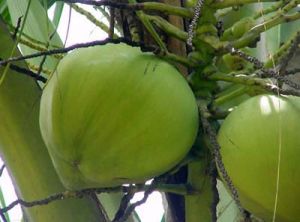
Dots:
(147, 192)
(3, 217)
(125, 202)
(194, 22)
(131, 208)
(146, 6)
(14, 35)
(33, 203)
(111, 23)
(45, 56)
(99, 206)
(292, 71)
(159, 182)
(137, 6)
(268, 73)
(27, 72)
(284, 61)
(212, 136)
(291, 92)
(81, 45)
(233, 51)
(2, 169)
(280, 78)
(216, 198)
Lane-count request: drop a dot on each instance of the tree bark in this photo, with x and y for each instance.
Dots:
(174, 45)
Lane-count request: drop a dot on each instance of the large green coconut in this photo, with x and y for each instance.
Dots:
(259, 137)
(112, 115)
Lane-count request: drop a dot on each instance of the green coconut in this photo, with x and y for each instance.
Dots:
(251, 138)
(112, 115)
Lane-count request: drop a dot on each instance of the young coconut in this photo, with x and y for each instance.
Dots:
(112, 115)
(251, 138)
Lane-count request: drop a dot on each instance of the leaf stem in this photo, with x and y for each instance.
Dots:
(92, 19)
(145, 6)
(280, 17)
(145, 20)
(16, 43)
(262, 84)
(284, 49)
(220, 4)
(36, 47)
(271, 9)
(230, 95)
(170, 29)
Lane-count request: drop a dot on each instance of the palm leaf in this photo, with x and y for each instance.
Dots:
(38, 26)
